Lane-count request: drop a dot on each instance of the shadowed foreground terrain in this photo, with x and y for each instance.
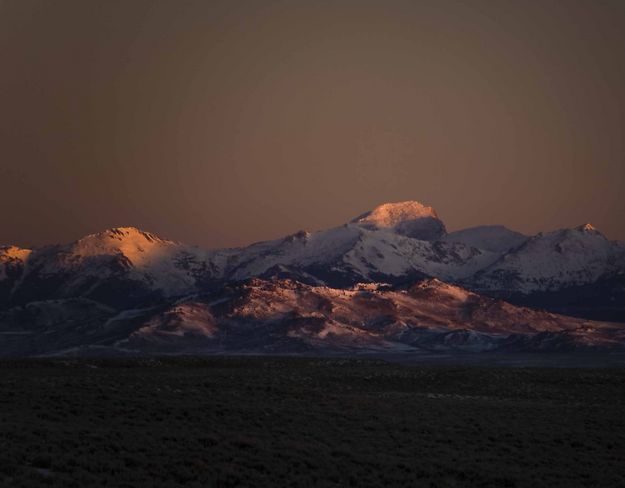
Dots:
(225, 421)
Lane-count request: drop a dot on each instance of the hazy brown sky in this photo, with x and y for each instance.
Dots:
(221, 123)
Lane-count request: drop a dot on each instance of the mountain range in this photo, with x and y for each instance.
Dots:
(391, 279)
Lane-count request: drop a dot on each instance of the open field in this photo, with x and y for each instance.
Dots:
(232, 421)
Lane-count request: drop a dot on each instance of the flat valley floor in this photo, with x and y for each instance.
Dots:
(279, 421)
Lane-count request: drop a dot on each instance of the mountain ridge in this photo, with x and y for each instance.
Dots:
(282, 315)
(108, 280)
(367, 248)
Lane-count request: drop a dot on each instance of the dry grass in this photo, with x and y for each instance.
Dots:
(307, 422)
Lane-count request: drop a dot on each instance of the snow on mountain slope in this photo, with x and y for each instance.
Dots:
(127, 268)
(377, 246)
(379, 252)
(410, 218)
(302, 249)
(550, 261)
(351, 253)
(113, 263)
(493, 238)
(285, 315)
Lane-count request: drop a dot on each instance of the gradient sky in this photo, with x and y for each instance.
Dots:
(220, 123)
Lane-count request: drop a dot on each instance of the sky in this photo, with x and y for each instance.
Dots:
(221, 123)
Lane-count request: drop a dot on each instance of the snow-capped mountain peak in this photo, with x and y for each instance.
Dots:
(395, 243)
(410, 218)
(550, 261)
(123, 234)
(392, 214)
(116, 266)
(136, 245)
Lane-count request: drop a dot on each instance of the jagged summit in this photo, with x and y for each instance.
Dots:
(409, 218)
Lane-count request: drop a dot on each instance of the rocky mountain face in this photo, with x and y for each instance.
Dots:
(283, 315)
(278, 315)
(106, 287)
